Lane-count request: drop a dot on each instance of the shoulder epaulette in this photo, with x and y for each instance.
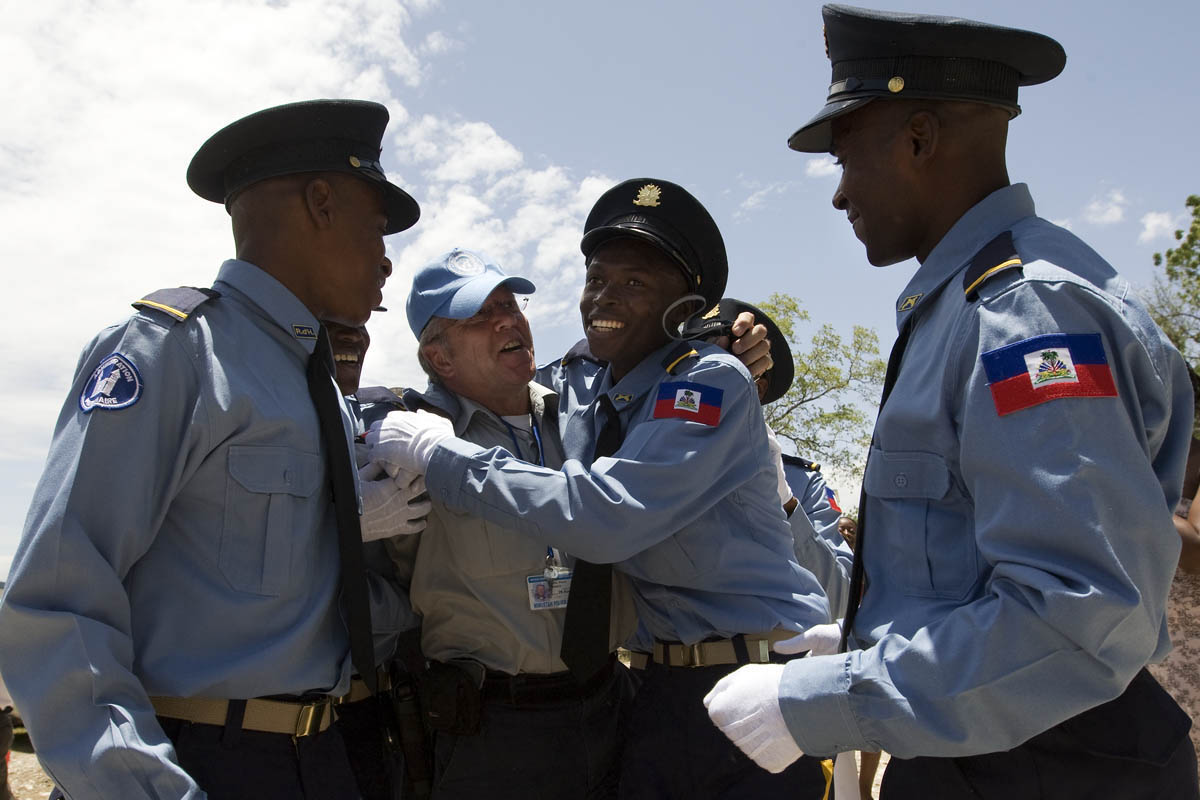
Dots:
(413, 401)
(802, 463)
(177, 303)
(677, 355)
(380, 394)
(581, 350)
(996, 256)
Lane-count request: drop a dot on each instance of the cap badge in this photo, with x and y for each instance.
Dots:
(354, 162)
(649, 195)
(896, 84)
(712, 312)
(465, 264)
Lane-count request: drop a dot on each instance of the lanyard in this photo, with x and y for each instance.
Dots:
(553, 562)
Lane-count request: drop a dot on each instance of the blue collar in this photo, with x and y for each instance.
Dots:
(992, 215)
(276, 300)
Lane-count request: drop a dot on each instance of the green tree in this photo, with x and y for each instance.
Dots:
(1174, 299)
(830, 409)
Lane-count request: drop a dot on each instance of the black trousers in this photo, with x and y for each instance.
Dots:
(251, 765)
(379, 771)
(673, 749)
(1135, 747)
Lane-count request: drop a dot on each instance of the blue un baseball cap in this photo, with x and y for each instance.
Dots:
(455, 286)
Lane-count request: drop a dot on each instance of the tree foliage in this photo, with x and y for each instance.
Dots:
(1174, 299)
(830, 409)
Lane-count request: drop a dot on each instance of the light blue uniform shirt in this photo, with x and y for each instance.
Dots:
(183, 545)
(819, 546)
(1018, 565)
(687, 510)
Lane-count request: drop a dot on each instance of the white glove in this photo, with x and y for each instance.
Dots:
(390, 507)
(745, 706)
(819, 640)
(781, 484)
(407, 439)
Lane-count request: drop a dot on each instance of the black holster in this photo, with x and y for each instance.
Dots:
(451, 697)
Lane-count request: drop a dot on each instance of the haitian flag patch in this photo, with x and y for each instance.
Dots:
(1047, 367)
(694, 402)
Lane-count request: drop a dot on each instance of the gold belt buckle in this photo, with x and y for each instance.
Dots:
(696, 652)
(308, 721)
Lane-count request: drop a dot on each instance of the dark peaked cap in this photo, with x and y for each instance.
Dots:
(884, 54)
(311, 136)
(665, 215)
(709, 322)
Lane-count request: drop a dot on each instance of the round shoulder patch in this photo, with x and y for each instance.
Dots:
(114, 384)
(465, 264)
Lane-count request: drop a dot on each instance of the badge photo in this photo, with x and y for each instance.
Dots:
(115, 384)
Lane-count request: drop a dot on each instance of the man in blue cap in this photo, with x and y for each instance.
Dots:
(188, 597)
(666, 476)
(508, 719)
(1015, 540)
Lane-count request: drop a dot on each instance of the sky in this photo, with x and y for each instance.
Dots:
(508, 120)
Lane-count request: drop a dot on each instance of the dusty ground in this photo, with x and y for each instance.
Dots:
(25, 776)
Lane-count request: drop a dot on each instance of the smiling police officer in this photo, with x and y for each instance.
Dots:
(1015, 525)
(183, 606)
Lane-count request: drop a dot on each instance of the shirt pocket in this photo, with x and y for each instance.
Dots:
(923, 534)
(265, 495)
(484, 549)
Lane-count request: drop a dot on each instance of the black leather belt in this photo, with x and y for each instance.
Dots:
(528, 689)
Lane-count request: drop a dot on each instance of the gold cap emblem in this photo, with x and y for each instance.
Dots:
(354, 162)
(712, 312)
(896, 84)
(649, 195)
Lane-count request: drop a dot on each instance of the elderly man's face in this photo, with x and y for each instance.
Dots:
(488, 356)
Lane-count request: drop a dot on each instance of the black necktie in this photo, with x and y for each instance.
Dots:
(345, 505)
(857, 572)
(585, 644)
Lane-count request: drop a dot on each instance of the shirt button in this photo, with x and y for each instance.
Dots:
(901, 480)
(287, 477)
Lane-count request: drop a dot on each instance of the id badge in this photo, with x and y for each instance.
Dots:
(546, 594)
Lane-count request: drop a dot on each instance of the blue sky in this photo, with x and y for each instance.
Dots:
(508, 120)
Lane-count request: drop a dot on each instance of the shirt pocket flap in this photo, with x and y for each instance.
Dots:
(906, 474)
(275, 470)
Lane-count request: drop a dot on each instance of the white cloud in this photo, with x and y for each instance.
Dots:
(1106, 210)
(107, 102)
(1157, 225)
(758, 198)
(1062, 223)
(821, 167)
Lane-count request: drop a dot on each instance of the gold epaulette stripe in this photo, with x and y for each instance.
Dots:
(671, 366)
(1012, 262)
(175, 312)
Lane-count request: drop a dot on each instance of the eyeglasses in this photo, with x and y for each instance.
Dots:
(490, 311)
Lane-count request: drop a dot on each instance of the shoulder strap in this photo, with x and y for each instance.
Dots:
(177, 303)
(379, 394)
(677, 355)
(581, 350)
(802, 463)
(996, 256)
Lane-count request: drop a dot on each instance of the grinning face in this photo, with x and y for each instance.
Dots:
(628, 286)
(878, 187)
(349, 349)
(487, 357)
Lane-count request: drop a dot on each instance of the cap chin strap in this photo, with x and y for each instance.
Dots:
(673, 335)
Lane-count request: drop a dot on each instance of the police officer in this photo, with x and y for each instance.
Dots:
(667, 476)
(1016, 518)
(174, 622)
(818, 546)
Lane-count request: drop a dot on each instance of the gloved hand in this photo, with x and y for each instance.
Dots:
(745, 706)
(781, 485)
(407, 439)
(819, 640)
(390, 507)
